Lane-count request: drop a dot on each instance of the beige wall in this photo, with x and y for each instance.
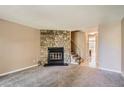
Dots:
(78, 38)
(122, 31)
(19, 46)
(110, 46)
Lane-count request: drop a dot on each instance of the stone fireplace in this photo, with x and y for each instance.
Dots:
(52, 43)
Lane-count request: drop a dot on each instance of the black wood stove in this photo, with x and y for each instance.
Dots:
(55, 56)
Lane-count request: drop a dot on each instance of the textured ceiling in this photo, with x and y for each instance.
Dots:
(61, 17)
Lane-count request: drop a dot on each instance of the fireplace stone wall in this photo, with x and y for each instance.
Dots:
(55, 38)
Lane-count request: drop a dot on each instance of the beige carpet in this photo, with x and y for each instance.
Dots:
(63, 76)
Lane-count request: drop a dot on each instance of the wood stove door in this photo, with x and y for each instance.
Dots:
(55, 56)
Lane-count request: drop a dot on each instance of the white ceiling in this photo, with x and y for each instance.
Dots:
(61, 17)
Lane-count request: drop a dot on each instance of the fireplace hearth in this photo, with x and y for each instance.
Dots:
(56, 56)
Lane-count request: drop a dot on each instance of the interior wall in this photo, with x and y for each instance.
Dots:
(110, 46)
(79, 42)
(19, 46)
(122, 31)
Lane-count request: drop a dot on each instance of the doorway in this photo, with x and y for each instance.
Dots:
(92, 49)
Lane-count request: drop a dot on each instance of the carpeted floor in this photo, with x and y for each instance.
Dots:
(62, 76)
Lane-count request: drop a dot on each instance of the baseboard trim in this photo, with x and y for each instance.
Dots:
(17, 70)
(109, 70)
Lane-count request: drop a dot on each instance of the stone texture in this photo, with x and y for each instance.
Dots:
(55, 38)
